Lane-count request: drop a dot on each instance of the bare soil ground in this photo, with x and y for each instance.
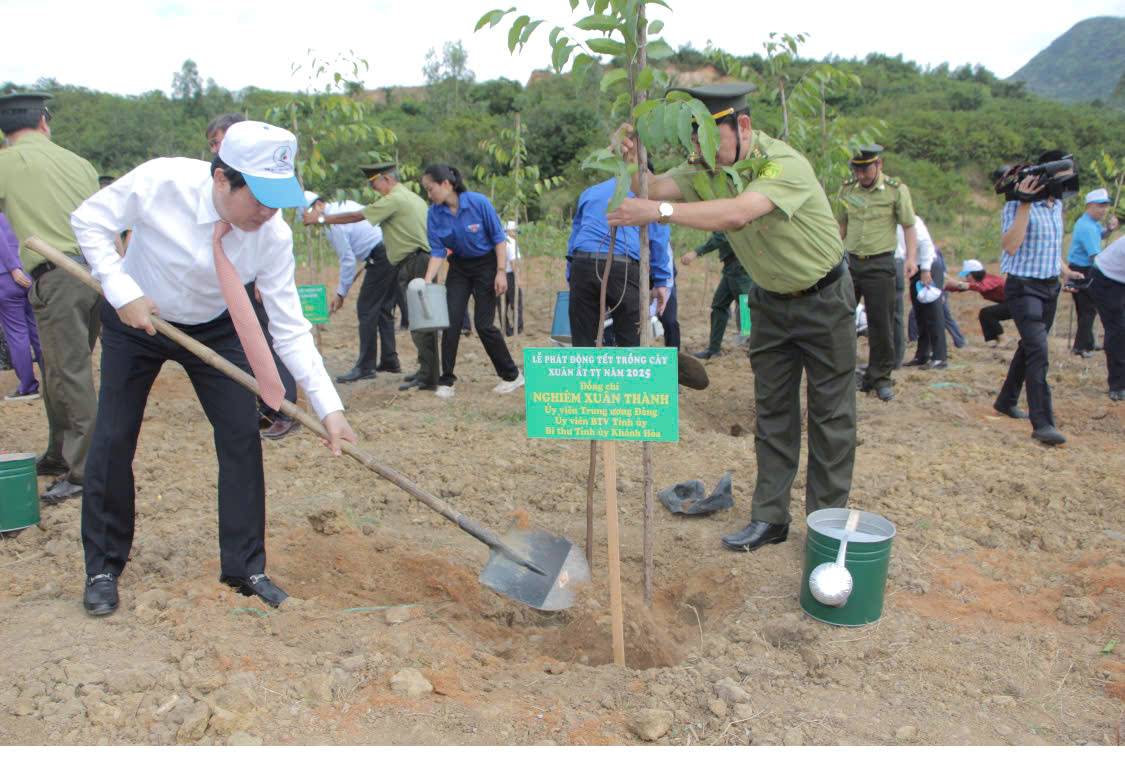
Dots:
(1007, 578)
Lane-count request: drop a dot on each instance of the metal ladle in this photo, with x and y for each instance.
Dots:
(831, 582)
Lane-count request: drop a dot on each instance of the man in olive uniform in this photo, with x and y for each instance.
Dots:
(782, 230)
(41, 184)
(873, 206)
(733, 283)
(401, 214)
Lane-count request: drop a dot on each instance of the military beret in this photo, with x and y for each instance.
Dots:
(867, 154)
(721, 99)
(371, 169)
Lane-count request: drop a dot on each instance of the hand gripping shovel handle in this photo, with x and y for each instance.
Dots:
(213, 359)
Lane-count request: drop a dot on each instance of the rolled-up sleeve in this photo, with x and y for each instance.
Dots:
(434, 234)
(291, 331)
(101, 218)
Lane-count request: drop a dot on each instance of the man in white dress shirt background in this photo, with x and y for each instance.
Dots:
(188, 217)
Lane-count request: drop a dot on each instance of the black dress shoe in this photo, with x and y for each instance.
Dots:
(1011, 411)
(1048, 435)
(755, 535)
(100, 597)
(917, 362)
(61, 490)
(281, 427)
(390, 368)
(410, 377)
(257, 585)
(50, 467)
(416, 383)
(707, 353)
(885, 393)
(356, 374)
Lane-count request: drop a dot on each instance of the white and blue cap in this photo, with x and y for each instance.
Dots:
(265, 156)
(1098, 196)
(971, 266)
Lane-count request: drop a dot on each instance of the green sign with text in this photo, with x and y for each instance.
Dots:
(314, 302)
(628, 394)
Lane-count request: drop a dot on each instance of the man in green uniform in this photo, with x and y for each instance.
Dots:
(733, 283)
(401, 214)
(873, 206)
(782, 230)
(41, 184)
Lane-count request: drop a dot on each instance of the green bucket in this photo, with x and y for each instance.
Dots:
(19, 496)
(868, 558)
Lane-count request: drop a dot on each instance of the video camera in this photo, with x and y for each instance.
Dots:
(1057, 173)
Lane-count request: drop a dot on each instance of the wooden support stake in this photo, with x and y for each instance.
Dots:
(613, 539)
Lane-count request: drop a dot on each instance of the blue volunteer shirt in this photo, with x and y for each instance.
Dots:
(474, 231)
(1086, 242)
(590, 233)
(1040, 255)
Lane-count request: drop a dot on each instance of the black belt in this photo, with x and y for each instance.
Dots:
(47, 266)
(833, 275)
(1039, 281)
(872, 258)
(580, 255)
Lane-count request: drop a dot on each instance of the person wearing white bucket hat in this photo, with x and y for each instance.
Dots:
(200, 233)
(1085, 243)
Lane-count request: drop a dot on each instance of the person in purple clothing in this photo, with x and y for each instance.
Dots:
(16, 317)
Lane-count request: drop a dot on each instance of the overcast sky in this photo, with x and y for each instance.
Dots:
(132, 46)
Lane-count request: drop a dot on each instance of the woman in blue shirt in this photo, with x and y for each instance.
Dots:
(464, 226)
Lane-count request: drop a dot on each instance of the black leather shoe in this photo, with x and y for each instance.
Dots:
(356, 374)
(1048, 435)
(61, 490)
(100, 597)
(410, 377)
(755, 535)
(707, 353)
(257, 585)
(390, 368)
(885, 393)
(416, 383)
(1011, 411)
(916, 362)
(281, 427)
(49, 467)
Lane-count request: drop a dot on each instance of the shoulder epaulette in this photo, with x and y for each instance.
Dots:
(891, 181)
(850, 181)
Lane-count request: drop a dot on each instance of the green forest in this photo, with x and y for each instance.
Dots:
(945, 129)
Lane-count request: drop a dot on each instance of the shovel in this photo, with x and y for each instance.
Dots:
(531, 566)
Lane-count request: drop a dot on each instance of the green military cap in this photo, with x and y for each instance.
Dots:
(721, 99)
(371, 169)
(867, 154)
(20, 104)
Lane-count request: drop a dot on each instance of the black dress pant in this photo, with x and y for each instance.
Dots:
(1087, 312)
(1033, 303)
(287, 380)
(990, 318)
(1109, 297)
(476, 277)
(874, 279)
(510, 318)
(670, 320)
(931, 318)
(375, 310)
(131, 359)
(623, 297)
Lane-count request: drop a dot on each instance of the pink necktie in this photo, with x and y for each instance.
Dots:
(249, 331)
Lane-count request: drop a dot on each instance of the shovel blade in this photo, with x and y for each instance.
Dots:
(562, 564)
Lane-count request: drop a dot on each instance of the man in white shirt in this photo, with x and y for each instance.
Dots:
(513, 301)
(932, 351)
(190, 220)
(355, 242)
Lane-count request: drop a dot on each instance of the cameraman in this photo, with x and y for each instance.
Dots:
(1085, 244)
(1032, 234)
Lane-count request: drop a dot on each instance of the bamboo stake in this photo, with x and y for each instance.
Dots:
(598, 343)
(617, 613)
(646, 323)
